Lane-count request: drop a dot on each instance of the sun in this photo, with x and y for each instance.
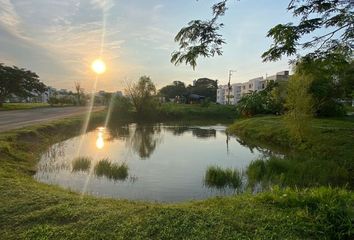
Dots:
(98, 66)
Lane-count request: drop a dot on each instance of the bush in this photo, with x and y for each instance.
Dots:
(331, 109)
(205, 103)
(252, 104)
(121, 105)
(53, 101)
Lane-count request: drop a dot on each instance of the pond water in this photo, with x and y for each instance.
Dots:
(158, 162)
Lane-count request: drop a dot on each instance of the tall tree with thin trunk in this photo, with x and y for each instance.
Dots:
(79, 92)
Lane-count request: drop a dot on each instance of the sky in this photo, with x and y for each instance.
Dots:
(59, 39)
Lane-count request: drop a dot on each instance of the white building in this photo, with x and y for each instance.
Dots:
(237, 90)
(48, 94)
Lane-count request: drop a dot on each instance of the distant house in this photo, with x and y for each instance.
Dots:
(233, 94)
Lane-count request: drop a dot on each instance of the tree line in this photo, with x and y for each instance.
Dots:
(19, 82)
(203, 86)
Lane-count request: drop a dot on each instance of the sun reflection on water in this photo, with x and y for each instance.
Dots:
(100, 139)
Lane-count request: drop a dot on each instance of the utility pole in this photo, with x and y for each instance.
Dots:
(229, 86)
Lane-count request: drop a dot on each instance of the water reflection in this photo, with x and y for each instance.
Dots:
(119, 132)
(145, 139)
(204, 133)
(266, 153)
(198, 132)
(176, 166)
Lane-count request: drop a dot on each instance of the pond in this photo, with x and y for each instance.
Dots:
(153, 162)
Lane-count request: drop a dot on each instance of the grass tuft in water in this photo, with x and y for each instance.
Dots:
(111, 170)
(220, 178)
(81, 164)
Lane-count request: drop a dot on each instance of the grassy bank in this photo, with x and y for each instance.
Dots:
(178, 112)
(32, 210)
(19, 106)
(197, 111)
(325, 158)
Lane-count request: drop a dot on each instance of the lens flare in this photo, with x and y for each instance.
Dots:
(98, 66)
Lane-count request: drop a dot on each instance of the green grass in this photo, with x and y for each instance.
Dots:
(181, 112)
(325, 158)
(197, 111)
(110, 170)
(81, 164)
(218, 177)
(18, 106)
(32, 210)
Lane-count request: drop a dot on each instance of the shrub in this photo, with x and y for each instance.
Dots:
(121, 105)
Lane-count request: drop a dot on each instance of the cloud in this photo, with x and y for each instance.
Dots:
(8, 15)
(61, 38)
(9, 19)
(157, 7)
(105, 5)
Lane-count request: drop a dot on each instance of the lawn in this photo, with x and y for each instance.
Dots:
(18, 106)
(197, 111)
(326, 157)
(32, 210)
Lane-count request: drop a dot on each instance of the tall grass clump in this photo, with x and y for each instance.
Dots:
(330, 209)
(220, 178)
(296, 171)
(119, 172)
(273, 170)
(256, 172)
(111, 170)
(81, 164)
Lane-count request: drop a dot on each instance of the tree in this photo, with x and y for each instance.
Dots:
(334, 16)
(18, 81)
(275, 96)
(271, 100)
(203, 38)
(252, 104)
(205, 87)
(332, 80)
(299, 103)
(121, 106)
(79, 92)
(142, 95)
(200, 38)
(177, 88)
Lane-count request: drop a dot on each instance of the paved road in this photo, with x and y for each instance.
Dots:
(21, 118)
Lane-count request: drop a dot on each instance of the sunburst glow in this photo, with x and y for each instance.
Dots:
(98, 66)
